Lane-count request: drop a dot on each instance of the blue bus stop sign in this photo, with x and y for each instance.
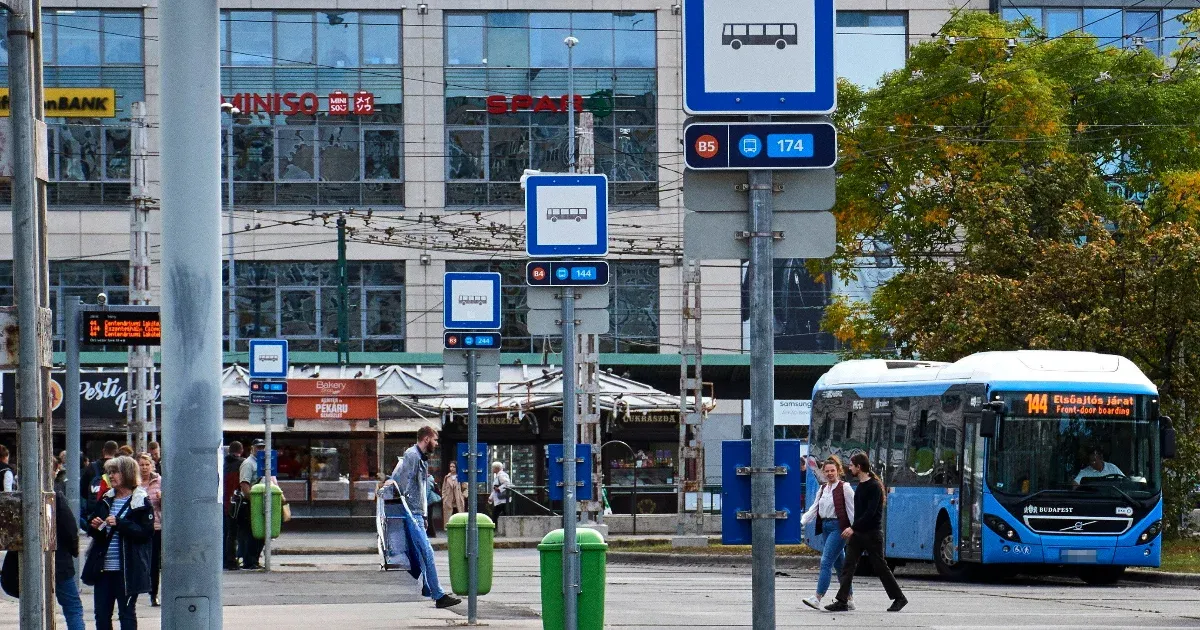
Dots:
(566, 215)
(758, 57)
(735, 492)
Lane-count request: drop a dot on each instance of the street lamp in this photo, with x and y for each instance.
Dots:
(232, 111)
(571, 41)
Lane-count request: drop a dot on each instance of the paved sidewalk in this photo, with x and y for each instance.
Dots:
(362, 542)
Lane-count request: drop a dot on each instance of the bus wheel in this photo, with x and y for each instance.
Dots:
(780, 44)
(735, 44)
(943, 557)
(1102, 576)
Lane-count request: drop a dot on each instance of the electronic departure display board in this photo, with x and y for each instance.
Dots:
(1076, 404)
(122, 328)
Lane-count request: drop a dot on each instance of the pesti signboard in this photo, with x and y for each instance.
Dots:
(101, 395)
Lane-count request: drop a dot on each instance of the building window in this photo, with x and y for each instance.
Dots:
(320, 103)
(506, 102)
(869, 44)
(800, 302)
(89, 158)
(633, 306)
(1156, 30)
(71, 279)
(298, 301)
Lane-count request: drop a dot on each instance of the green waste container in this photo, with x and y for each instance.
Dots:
(456, 543)
(593, 558)
(256, 511)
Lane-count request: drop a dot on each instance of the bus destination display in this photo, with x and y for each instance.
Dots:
(112, 328)
(1057, 404)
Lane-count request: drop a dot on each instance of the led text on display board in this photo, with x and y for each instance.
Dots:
(1051, 404)
(122, 329)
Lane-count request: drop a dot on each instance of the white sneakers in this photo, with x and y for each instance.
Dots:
(814, 603)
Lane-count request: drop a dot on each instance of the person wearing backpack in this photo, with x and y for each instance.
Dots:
(118, 562)
(833, 512)
(92, 484)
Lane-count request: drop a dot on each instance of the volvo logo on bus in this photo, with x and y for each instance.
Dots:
(1124, 511)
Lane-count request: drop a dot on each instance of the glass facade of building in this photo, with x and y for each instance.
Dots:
(298, 301)
(89, 158)
(869, 44)
(506, 101)
(320, 100)
(633, 306)
(1159, 29)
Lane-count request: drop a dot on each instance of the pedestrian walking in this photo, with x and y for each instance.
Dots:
(865, 534)
(152, 484)
(833, 511)
(411, 477)
(499, 496)
(453, 499)
(8, 477)
(118, 562)
(248, 476)
(234, 503)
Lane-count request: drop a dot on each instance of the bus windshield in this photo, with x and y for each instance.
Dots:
(1093, 443)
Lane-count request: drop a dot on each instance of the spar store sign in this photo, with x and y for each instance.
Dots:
(599, 103)
(332, 399)
(339, 103)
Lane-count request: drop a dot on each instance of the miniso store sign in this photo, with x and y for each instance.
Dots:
(787, 412)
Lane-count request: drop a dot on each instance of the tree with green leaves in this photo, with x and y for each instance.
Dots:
(1035, 193)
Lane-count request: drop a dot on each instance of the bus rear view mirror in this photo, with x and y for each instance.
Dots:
(990, 419)
(1167, 437)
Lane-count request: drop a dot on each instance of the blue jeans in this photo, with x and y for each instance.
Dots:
(67, 593)
(832, 554)
(425, 557)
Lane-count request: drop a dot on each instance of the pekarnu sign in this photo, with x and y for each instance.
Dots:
(339, 103)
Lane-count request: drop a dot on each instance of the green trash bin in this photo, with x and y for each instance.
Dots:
(256, 511)
(593, 559)
(456, 543)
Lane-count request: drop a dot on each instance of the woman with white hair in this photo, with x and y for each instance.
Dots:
(118, 562)
(499, 496)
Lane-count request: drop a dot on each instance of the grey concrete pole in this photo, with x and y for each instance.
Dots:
(473, 489)
(570, 547)
(233, 111)
(762, 401)
(191, 314)
(71, 394)
(26, 276)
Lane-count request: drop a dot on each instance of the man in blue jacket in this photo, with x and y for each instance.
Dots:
(411, 476)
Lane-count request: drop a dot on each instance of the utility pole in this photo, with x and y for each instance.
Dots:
(29, 284)
(141, 361)
(570, 394)
(588, 356)
(229, 158)
(691, 358)
(343, 294)
(762, 398)
(191, 313)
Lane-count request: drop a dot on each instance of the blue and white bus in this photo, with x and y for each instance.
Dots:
(1011, 459)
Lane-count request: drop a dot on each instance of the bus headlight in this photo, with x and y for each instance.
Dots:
(1151, 533)
(997, 524)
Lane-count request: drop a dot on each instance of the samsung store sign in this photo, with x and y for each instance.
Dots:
(787, 412)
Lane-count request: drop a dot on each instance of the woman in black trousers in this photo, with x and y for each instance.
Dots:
(118, 562)
(865, 534)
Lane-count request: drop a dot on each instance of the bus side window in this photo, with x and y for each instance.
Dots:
(921, 456)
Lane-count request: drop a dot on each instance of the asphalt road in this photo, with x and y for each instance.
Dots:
(350, 591)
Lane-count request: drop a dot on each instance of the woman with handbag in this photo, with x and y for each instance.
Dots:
(152, 484)
(122, 530)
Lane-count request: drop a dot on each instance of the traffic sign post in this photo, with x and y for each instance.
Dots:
(566, 215)
(268, 360)
(566, 273)
(758, 58)
(744, 146)
(735, 53)
(472, 303)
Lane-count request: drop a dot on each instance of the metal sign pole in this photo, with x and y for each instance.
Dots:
(71, 396)
(762, 402)
(570, 550)
(472, 490)
(268, 529)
